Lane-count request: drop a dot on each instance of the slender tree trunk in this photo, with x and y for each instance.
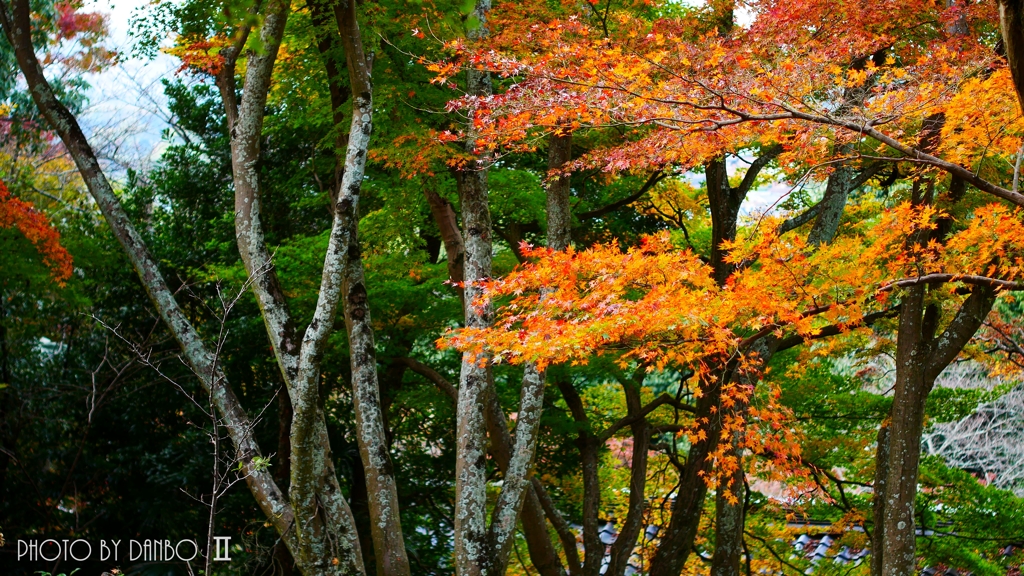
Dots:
(878, 499)
(593, 548)
(623, 546)
(531, 406)
(480, 549)
(725, 207)
(565, 533)
(833, 203)
(676, 540)
(559, 213)
(537, 504)
(282, 472)
(907, 416)
(541, 551)
(471, 448)
(448, 226)
(678, 537)
(729, 520)
(471, 534)
(386, 527)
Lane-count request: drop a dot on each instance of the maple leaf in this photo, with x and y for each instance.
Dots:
(16, 213)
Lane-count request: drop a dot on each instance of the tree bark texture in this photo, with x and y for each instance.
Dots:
(541, 550)
(246, 132)
(326, 530)
(837, 190)
(559, 213)
(729, 521)
(537, 504)
(531, 404)
(920, 358)
(878, 498)
(448, 226)
(471, 534)
(386, 527)
(678, 537)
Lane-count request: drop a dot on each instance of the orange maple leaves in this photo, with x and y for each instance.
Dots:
(659, 305)
(15, 213)
(200, 54)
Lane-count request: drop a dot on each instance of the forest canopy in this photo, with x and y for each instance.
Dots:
(614, 287)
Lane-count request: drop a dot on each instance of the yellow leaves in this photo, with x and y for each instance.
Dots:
(199, 54)
(983, 119)
(676, 201)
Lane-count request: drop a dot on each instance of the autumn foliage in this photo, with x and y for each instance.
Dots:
(16, 213)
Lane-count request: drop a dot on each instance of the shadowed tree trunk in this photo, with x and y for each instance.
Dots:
(1011, 25)
(588, 445)
(483, 548)
(623, 546)
(386, 526)
(729, 519)
(471, 538)
(542, 552)
(517, 484)
(920, 358)
(878, 498)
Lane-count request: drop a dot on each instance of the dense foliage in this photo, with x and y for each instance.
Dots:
(474, 288)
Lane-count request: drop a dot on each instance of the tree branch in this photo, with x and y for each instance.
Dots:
(654, 405)
(654, 178)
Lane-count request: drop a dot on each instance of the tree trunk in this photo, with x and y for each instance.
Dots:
(729, 520)
(907, 418)
(448, 226)
(878, 498)
(623, 546)
(920, 358)
(559, 213)
(833, 203)
(386, 526)
(678, 537)
(565, 533)
(588, 445)
(1011, 24)
(541, 550)
(725, 208)
(471, 441)
(531, 404)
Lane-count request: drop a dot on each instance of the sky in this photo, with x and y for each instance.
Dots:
(127, 112)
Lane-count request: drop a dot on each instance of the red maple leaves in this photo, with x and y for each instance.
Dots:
(15, 213)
